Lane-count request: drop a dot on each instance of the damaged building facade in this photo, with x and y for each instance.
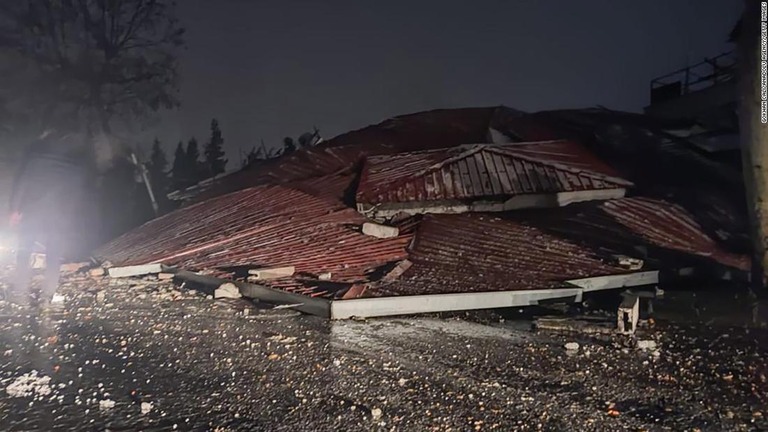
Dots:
(458, 209)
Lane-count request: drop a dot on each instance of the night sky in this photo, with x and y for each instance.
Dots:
(271, 69)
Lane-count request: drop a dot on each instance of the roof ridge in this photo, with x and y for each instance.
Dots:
(566, 167)
(469, 150)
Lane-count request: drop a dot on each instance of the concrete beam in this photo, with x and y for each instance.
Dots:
(310, 305)
(406, 305)
(616, 281)
(136, 270)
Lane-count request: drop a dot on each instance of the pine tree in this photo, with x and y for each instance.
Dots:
(192, 162)
(179, 171)
(214, 151)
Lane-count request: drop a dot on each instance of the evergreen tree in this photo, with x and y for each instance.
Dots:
(214, 151)
(192, 162)
(179, 171)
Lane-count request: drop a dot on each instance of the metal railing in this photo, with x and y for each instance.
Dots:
(708, 73)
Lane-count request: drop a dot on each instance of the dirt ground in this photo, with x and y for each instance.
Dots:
(142, 355)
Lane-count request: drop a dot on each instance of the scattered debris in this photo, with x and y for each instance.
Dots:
(58, 299)
(376, 413)
(628, 263)
(646, 345)
(30, 384)
(106, 404)
(97, 272)
(583, 325)
(146, 407)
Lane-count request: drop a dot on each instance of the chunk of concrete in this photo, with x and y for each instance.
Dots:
(380, 231)
(136, 270)
(165, 276)
(227, 290)
(324, 276)
(97, 272)
(646, 345)
(37, 261)
(628, 262)
(271, 273)
(628, 314)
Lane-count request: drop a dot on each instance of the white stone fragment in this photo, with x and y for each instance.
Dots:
(646, 345)
(380, 231)
(227, 290)
(30, 384)
(572, 346)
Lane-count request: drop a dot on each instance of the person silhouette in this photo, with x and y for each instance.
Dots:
(47, 189)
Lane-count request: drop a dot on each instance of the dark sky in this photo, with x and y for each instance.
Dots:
(267, 69)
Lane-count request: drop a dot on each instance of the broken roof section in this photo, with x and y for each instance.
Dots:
(301, 211)
(539, 249)
(485, 172)
(266, 226)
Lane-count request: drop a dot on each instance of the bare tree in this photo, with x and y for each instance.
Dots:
(754, 138)
(88, 61)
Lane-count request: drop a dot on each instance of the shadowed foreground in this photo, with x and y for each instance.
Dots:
(199, 365)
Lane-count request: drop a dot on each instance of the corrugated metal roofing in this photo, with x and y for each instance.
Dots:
(484, 170)
(412, 132)
(542, 248)
(670, 226)
(257, 227)
(480, 252)
(669, 234)
(300, 218)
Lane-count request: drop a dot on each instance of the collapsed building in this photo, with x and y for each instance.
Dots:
(458, 209)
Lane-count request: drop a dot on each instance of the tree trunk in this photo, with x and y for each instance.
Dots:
(754, 139)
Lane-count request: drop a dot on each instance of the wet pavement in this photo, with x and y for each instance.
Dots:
(128, 355)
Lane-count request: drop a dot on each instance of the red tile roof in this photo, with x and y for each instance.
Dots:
(484, 170)
(670, 226)
(298, 216)
(412, 132)
(261, 226)
(483, 252)
(542, 248)
(672, 235)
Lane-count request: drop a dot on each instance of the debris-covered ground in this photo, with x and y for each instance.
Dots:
(142, 355)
